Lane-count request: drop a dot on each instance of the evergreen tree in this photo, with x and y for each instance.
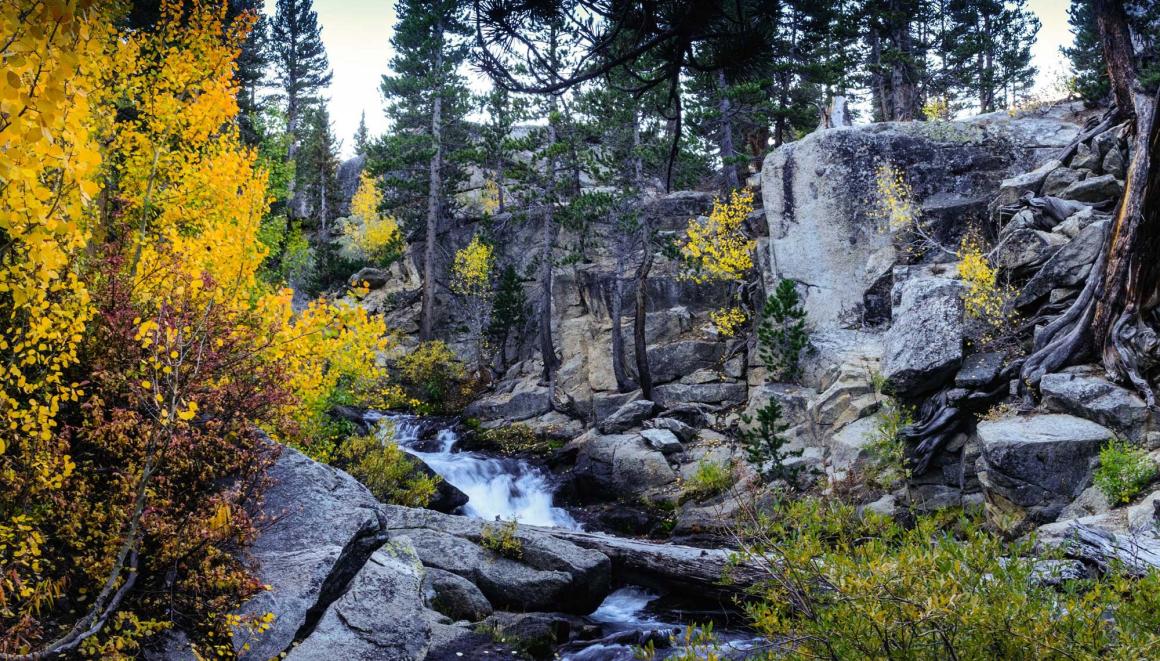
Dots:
(426, 101)
(992, 48)
(895, 58)
(251, 68)
(1087, 59)
(301, 68)
(361, 136)
(498, 144)
(316, 170)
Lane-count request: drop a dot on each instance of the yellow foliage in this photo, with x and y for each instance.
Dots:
(717, 248)
(984, 298)
(894, 204)
(367, 233)
(937, 108)
(53, 55)
(728, 320)
(471, 271)
(490, 199)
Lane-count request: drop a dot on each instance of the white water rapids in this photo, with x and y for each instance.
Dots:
(508, 489)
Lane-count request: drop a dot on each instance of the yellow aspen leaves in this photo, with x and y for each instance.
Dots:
(471, 270)
(716, 248)
(367, 234)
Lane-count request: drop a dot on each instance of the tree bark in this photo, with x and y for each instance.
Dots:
(1107, 317)
(547, 346)
(435, 186)
(623, 383)
(728, 168)
(643, 374)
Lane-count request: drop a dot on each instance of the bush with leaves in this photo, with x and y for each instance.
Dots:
(711, 478)
(1124, 471)
(782, 335)
(385, 469)
(844, 585)
(433, 377)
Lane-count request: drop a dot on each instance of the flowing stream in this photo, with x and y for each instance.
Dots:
(507, 488)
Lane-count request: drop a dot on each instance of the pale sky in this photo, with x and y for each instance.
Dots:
(357, 37)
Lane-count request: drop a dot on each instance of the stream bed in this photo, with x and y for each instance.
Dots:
(513, 489)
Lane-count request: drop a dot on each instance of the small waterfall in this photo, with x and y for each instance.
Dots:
(497, 487)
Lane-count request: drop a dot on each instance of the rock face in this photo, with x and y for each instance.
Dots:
(380, 616)
(1031, 467)
(818, 195)
(1096, 399)
(324, 527)
(611, 466)
(546, 574)
(454, 596)
(925, 342)
(627, 416)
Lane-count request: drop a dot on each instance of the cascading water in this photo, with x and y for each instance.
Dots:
(508, 489)
(513, 489)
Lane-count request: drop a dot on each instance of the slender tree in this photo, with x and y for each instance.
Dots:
(362, 137)
(426, 100)
(301, 67)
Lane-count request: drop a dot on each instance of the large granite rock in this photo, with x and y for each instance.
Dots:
(669, 362)
(1031, 467)
(380, 616)
(924, 345)
(618, 465)
(627, 416)
(454, 596)
(1095, 398)
(526, 400)
(823, 232)
(546, 574)
(725, 394)
(323, 526)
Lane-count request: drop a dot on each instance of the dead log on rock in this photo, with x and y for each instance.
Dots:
(1138, 551)
(670, 567)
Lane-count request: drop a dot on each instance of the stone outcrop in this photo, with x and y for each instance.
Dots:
(924, 344)
(1093, 397)
(1032, 466)
(323, 526)
(819, 191)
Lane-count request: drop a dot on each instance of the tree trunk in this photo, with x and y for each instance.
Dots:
(643, 374)
(1108, 315)
(623, 383)
(728, 168)
(547, 346)
(435, 186)
(637, 161)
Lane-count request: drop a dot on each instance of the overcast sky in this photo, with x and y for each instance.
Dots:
(357, 36)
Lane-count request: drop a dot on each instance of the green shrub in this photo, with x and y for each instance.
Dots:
(501, 539)
(431, 374)
(782, 334)
(710, 479)
(887, 449)
(387, 471)
(516, 438)
(1123, 471)
(844, 586)
(764, 444)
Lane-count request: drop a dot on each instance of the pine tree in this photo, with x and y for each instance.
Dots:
(361, 136)
(992, 48)
(895, 58)
(316, 171)
(1087, 60)
(301, 68)
(426, 101)
(251, 68)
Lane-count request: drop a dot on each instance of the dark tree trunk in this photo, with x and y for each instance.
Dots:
(623, 383)
(547, 346)
(643, 374)
(435, 186)
(728, 167)
(1107, 317)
